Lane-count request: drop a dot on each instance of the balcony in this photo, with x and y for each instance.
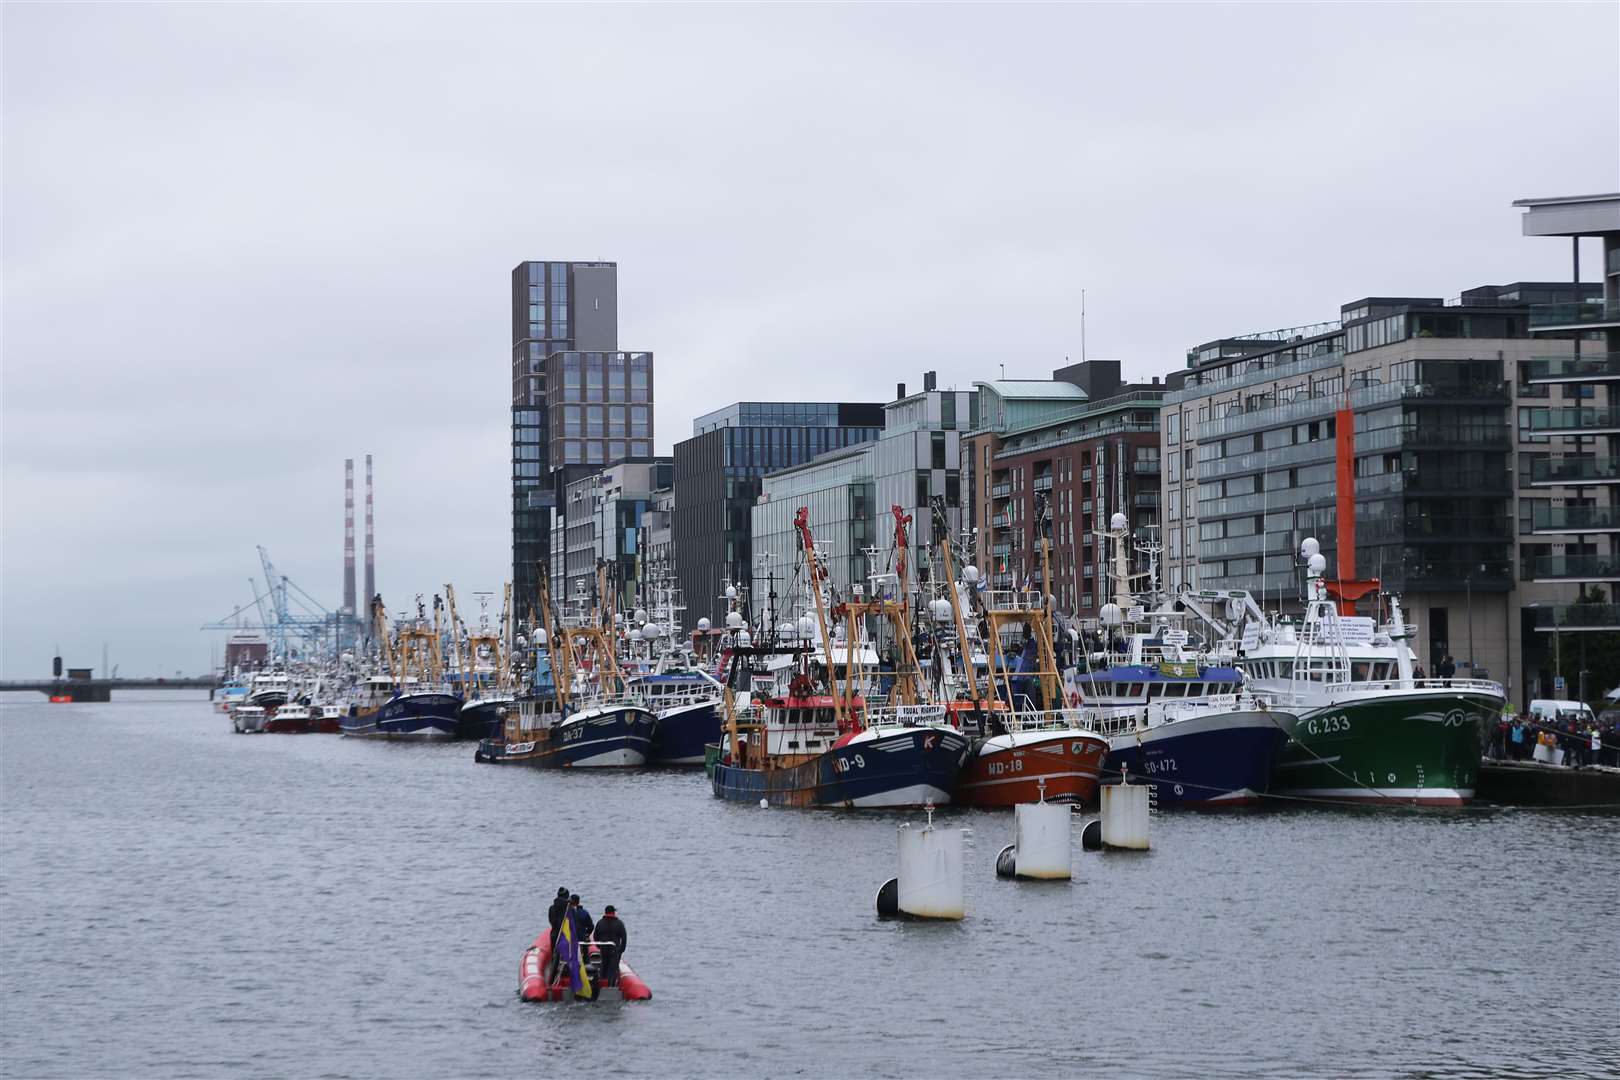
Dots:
(1555, 472)
(1587, 367)
(1001, 491)
(1483, 436)
(1575, 568)
(1042, 483)
(998, 521)
(1144, 467)
(1577, 617)
(1146, 500)
(1577, 519)
(1576, 420)
(1582, 315)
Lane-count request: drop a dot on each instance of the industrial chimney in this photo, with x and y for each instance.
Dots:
(348, 536)
(371, 550)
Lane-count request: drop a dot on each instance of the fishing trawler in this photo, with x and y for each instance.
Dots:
(484, 670)
(573, 714)
(421, 706)
(268, 689)
(685, 699)
(1028, 745)
(1367, 730)
(1186, 726)
(803, 734)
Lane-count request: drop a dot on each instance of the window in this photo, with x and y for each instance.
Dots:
(936, 448)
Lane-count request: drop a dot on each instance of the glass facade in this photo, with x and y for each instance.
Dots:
(718, 481)
(914, 463)
(559, 308)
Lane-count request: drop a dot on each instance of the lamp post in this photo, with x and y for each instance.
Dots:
(1468, 584)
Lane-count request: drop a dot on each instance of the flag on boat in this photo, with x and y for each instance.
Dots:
(569, 958)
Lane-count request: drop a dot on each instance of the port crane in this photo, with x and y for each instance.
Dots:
(289, 617)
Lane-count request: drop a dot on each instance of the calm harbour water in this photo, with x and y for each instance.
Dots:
(178, 901)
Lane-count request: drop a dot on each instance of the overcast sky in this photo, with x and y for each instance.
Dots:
(244, 242)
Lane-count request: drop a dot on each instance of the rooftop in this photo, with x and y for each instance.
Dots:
(1032, 389)
(1571, 215)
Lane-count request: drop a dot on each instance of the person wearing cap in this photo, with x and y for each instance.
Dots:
(611, 931)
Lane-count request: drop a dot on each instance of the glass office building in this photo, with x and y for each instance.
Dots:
(718, 475)
(578, 401)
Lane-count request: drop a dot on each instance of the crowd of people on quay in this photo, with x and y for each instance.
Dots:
(1573, 737)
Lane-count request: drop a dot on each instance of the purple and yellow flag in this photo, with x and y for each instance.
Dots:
(568, 956)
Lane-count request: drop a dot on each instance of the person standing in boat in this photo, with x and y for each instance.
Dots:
(611, 931)
(554, 916)
(580, 919)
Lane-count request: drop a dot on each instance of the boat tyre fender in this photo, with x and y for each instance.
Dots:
(1091, 835)
(888, 899)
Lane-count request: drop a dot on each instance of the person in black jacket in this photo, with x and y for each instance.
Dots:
(611, 930)
(554, 915)
(583, 923)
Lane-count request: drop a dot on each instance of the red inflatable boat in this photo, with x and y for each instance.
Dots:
(532, 978)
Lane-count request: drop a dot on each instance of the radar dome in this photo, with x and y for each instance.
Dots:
(1118, 523)
(970, 574)
(650, 632)
(1309, 546)
(539, 637)
(704, 624)
(731, 592)
(734, 620)
(1111, 615)
(640, 615)
(1317, 563)
(807, 626)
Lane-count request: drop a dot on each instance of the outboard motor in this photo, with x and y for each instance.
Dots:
(593, 964)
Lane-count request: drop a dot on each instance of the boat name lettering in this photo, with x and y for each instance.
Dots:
(1336, 724)
(844, 764)
(1184, 670)
(571, 734)
(519, 747)
(996, 768)
(1160, 765)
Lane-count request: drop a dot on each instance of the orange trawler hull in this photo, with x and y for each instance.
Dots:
(1024, 767)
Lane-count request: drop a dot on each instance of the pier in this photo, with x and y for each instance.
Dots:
(101, 689)
(1535, 783)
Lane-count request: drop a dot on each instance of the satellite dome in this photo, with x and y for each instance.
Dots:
(786, 628)
(1111, 615)
(539, 637)
(1119, 523)
(970, 573)
(650, 632)
(704, 624)
(941, 609)
(734, 620)
(1309, 547)
(807, 626)
(1317, 563)
(731, 592)
(640, 615)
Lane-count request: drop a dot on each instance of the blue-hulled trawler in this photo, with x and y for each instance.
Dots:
(420, 705)
(1174, 716)
(801, 731)
(575, 711)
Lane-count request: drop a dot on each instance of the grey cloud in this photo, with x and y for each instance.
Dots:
(245, 241)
